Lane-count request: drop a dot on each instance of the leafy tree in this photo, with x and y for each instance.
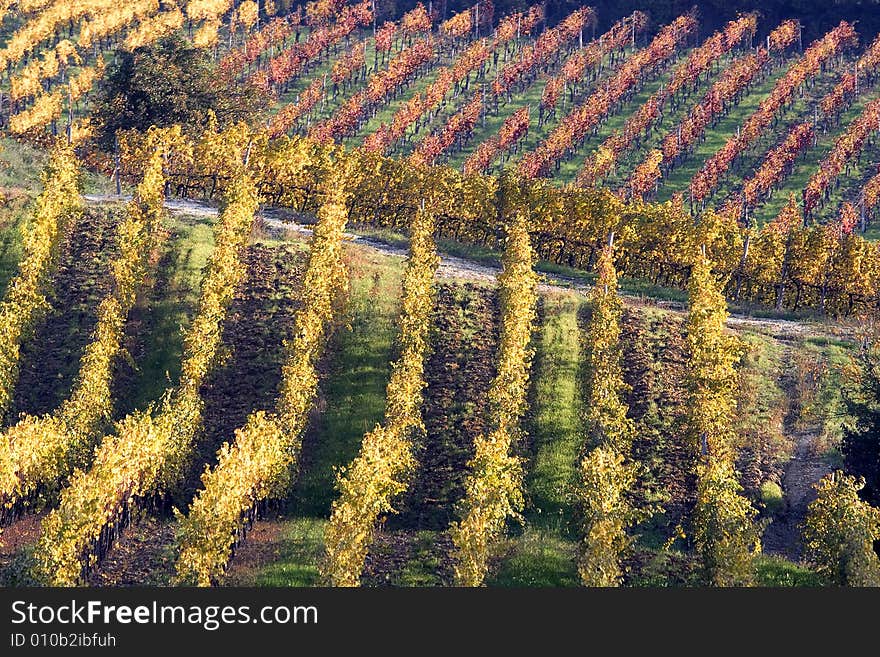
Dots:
(861, 439)
(166, 83)
(840, 531)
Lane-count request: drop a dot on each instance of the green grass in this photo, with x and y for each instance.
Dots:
(423, 566)
(808, 164)
(300, 547)
(21, 165)
(822, 408)
(491, 123)
(354, 390)
(387, 111)
(680, 177)
(14, 216)
(772, 497)
(544, 554)
(537, 558)
(172, 305)
(555, 428)
(779, 572)
(353, 402)
(569, 169)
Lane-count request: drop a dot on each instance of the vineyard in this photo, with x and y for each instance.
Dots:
(332, 294)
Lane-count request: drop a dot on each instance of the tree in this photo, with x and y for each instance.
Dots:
(840, 531)
(860, 444)
(166, 83)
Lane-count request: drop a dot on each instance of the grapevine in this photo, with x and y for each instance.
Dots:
(386, 461)
(25, 299)
(148, 451)
(257, 464)
(493, 488)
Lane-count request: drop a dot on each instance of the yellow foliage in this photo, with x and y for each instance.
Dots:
(605, 480)
(25, 298)
(40, 452)
(149, 451)
(256, 465)
(493, 488)
(385, 462)
(712, 356)
(725, 531)
(840, 532)
(606, 475)
(607, 423)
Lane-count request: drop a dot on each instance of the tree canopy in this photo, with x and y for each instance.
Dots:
(167, 83)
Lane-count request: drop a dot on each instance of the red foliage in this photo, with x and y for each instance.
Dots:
(707, 179)
(575, 126)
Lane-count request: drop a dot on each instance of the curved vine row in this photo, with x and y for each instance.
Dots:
(147, 454)
(385, 463)
(25, 299)
(493, 487)
(39, 452)
(256, 466)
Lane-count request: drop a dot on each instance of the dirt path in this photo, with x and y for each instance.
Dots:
(805, 468)
(457, 267)
(783, 536)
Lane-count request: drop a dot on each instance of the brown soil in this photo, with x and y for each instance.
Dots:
(16, 541)
(20, 534)
(458, 373)
(260, 317)
(142, 556)
(262, 547)
(393, 551)
(50, 359)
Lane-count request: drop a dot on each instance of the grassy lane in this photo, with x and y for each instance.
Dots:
(491, 123)
(162, 317)
(14, 215)
(802, 109)
(532, 97)
(386, 112)
(544, 554)
(352, 402)
(570, 168)
(671, 118)
(680, 177)
(324, 67)
(848, 186)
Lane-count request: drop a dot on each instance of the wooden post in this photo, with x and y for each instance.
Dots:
(69, 115)
(117, 172)
(477, 20)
